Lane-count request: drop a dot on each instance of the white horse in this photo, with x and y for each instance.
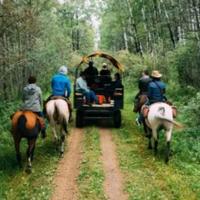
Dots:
(58, 116)
(160, 116)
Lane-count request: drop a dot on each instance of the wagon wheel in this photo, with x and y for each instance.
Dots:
(117, 119)
(79, 119)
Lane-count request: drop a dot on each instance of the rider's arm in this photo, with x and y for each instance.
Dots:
(68, 88)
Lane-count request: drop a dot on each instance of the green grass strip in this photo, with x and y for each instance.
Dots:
(91, 177)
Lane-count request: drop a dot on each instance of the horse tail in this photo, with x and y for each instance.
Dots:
(161, 115)
(21, 124)
(170, 121)
(64, 125)
(61, 113)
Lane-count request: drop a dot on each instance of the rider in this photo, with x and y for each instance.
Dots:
(143, 90)
(32, 100)
(61, 87)
(143, 84)
(81, 86)
(156, 88)
(60, 83)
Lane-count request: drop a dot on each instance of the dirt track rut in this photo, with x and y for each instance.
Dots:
(65, 186)
(113, 185)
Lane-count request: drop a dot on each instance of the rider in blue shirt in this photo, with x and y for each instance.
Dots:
(156, 88)
(155, 93)
(60, 83)
(61, 86)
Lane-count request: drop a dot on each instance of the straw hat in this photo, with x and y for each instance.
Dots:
(156, 74)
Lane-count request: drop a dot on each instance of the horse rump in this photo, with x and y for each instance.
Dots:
(26, 124)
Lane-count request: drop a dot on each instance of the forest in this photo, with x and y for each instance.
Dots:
(37, 37)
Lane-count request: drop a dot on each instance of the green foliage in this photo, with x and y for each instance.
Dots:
(187, 63)
(37, 38)
(192, 110)
(189, 149)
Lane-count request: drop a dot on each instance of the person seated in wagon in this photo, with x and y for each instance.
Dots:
(82, 87)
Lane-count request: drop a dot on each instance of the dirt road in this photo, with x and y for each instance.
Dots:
(68, 169)
(113, 185)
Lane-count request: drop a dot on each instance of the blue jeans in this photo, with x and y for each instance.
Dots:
(90, 96)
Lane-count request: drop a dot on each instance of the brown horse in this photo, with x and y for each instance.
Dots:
(25, 124)
(140, 102)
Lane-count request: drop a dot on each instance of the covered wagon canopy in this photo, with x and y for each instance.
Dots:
(115, 63)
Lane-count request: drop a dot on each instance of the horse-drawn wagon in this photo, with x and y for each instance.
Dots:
(110, 109)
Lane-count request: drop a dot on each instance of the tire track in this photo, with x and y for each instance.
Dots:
(65, 186)
(113, 185)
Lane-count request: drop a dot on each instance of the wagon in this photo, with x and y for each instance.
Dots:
(106, 110)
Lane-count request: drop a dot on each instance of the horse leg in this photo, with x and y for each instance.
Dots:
(62, 148)
(54, 133)
(65, 127)
(150, 138)
(155, 137)
(168, 139)
(17, 148)
(62, 144)
(30, 151)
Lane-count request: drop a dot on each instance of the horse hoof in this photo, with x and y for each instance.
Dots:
(28, 170)
(61, 154)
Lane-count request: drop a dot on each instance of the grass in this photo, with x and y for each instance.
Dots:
(91, 177)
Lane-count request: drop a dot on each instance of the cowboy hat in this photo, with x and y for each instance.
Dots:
(156, 74)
